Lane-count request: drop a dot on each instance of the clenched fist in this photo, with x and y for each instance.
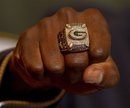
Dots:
(38, 63)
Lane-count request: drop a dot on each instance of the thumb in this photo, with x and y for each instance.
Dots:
(104, 74)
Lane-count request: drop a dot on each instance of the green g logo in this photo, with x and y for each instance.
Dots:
(77, 34)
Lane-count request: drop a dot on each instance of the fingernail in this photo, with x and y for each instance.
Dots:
(94, 77)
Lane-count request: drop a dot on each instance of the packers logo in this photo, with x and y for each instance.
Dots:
(77, 34)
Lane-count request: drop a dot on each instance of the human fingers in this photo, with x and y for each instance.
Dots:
(99, 35)
(75, 62)
(26, 63)
(104, 74)
(50, 53)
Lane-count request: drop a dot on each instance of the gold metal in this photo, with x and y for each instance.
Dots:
(74, 38)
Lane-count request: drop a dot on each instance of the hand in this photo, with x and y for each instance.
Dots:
(38, 63)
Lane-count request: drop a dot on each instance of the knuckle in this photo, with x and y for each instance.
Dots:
(57, 68)
(36, 69)
(99, 54)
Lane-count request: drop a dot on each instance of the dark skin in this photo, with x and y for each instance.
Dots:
(37, 62)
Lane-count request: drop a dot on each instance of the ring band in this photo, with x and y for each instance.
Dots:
(74, 38)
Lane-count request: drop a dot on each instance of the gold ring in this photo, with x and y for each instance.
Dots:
(74, 38)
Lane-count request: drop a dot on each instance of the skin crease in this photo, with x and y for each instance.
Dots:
(37, 62)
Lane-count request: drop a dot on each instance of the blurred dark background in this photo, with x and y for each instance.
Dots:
(17, 15)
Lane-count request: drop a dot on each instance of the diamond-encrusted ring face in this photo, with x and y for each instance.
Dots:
(74, 38)
(76, 32)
